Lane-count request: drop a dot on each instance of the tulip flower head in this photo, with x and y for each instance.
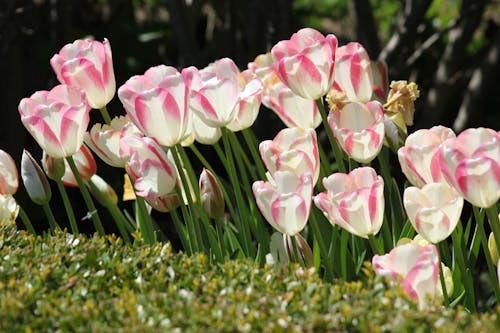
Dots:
(34, 180)
(104, 140)
(471, 164)
(415, 266)
(293, 149)
(157, 103)
(9, 181)
(8, 209)
(152, 172)
(57, 119)
(419, 157)
(305, 63)
(87, 65)
(211, 197)
(285, 200)
(359, 129)
(434, 210)
(354, 201)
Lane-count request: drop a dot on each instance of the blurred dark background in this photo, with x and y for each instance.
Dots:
(449, 47)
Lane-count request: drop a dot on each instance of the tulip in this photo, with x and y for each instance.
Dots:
(492, 248)
(8, 174)
(54, 168)
(34, 180)
(471, 164)
(88, 65)
(354, 201)
(157, 103)
(250, 98)
(8, 209)
(419, 159)
(211, 197)
(57, 119)
(292, 109)
(305, 63)
(359, 129)
(353, 72)
(285, 200)
(154, 175)
(85, 164)
(293, 149)
(415, 266)
(104, 140)
(434, 210)
(219, 93)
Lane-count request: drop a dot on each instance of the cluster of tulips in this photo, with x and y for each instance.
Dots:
(357, 213)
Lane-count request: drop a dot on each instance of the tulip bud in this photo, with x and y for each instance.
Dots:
(211, 198)
(448, 281)
(102, 191)
(303, 250)
(53, 167)
(492, 246)
(34, 180)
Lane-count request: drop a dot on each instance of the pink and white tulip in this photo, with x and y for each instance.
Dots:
(250, 98)
(359, 129)
(9, 178)
(353, 72)
(419, 158)
(415, 266)
(87, 65)
(305, 63)
(153, 173)
(471, 164)
(85, 163)
(224, 95)
(354, 201)
(434, 210)
(285, 200)
(380, 79)
(104, 140)
(157, 103)
(293, 149)
(57, 119)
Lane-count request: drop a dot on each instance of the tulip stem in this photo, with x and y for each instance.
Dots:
(492, 214)
(67, 206)
(466, 272)
(144, 221)
(105, 115)
(86, 197)
(374, 245)
(50, 216)
(443, 285)
(487, 254)
(336, 149)
(26, 221)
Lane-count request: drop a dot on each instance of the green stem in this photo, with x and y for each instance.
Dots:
(144, 221)
(26, 221)
(492, 214)
(105, 115)
(182, 232)
(86, 197)
(470, 298)
(50, 216)
(374, 246)
(336, 149)
(489, 262)
(240, 155)
(67, 206)
(443, 286)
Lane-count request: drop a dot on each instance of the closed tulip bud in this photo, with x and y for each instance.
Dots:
(53, 167)
(211, 198)
(34, 180)
(102, 191)
(448, 281)
(8, 209)
(303, 250)
(492, 246)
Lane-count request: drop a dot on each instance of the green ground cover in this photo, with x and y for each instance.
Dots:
(69, 283)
